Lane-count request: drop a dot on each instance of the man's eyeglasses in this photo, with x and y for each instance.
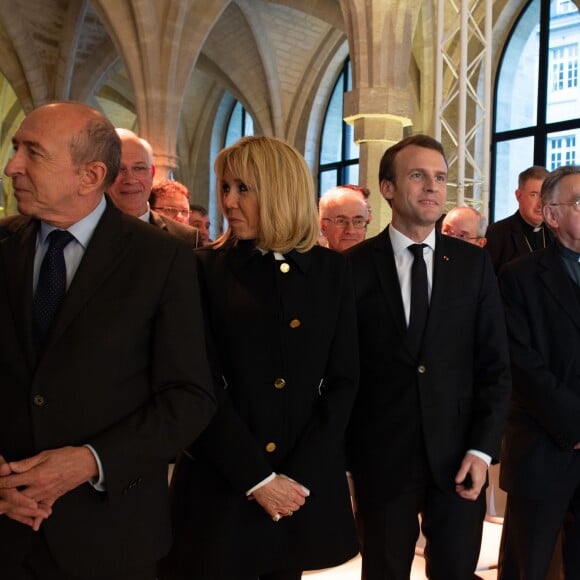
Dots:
(172, 212)
(460, 236)
(136, 170)
(573, 204)
(343, 222)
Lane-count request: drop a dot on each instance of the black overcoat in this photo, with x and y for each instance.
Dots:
(286, 362)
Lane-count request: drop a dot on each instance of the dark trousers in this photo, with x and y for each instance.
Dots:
(530, 531)
(388, 532)
(40, 565)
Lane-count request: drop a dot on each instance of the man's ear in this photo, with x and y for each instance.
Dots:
(153, 169)
(323, 226)
(387, 189)
(482, 242)
(550, 216)
(519, 194)
(92, 175)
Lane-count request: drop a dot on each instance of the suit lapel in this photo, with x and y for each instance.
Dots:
(519, 237)
(554, 276)
(105, 251)
(157, 220)
(384, 261)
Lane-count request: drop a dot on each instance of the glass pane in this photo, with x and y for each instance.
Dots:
(249, 124)
(351, 174)
(234, 129)
(328, 179)
(512, 157)
(563, 94)
(562, 148)
(331, 148)
(518, 79)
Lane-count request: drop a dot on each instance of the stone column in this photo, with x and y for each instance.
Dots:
(380, 106)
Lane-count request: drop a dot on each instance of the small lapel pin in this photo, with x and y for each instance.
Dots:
(446, 258)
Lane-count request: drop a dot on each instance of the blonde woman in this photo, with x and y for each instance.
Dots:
(264, 492)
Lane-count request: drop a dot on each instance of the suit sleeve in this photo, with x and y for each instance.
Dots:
(181, 400)
(492, 372)
(495, 242)
(547, 399)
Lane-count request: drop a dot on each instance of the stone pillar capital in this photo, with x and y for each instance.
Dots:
(368, 111)
(165, 166)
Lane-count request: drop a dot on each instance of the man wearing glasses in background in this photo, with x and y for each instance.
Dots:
(344, 216)
(171, 199)
(132, 188)
(540, 461)
(524, 232)
(465, 223)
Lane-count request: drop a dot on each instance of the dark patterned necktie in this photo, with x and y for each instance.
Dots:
(51, 286)
(419, 297)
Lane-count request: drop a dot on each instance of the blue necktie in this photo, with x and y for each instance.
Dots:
(419, 297)
(51, 286)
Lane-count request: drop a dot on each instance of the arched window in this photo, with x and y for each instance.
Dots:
(232, 122)
(537, 100)
(240, 124)
(339, 154)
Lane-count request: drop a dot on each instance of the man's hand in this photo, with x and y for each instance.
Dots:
(476, 469)
(280, 497)
(50, 474)
(577, 446)
(17, 506)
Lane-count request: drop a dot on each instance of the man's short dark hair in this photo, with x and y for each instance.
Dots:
(533, 172)
(198, 208)
(387, 166)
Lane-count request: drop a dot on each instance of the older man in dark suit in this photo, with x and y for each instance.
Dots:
(434, 385)
(541, 452)
(523, 232)
(104, 373)
(132, 188)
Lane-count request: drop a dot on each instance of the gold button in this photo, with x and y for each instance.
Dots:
(38, 400)
(279, 383)
(295, 323)
(271, 447)
(284, 268)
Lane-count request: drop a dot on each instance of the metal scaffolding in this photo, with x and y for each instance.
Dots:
(463, 96)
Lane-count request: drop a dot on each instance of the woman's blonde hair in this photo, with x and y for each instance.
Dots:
(284, 189)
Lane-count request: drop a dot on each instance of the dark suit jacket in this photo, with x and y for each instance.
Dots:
(506, 240)
(287, 349)
(455, 394)
(123, 370)
(543, 319)
(188, 234)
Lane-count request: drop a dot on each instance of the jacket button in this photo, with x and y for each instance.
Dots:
(295, 323)
(38, 400)
(421, 369)
(271, 447)
(284, 267)
(279, 383)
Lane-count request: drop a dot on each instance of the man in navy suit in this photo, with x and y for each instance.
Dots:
(431, 407)
(540, 460)
(95, 407)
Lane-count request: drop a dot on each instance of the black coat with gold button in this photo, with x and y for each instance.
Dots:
(285, 358)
